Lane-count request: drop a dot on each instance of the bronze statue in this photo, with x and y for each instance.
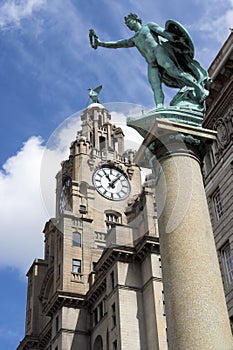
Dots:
(169, 53)
(94, 93)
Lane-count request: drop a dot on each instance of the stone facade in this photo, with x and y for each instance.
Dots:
(99, 285)
(218, 163)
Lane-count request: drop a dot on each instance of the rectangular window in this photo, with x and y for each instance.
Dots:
(164, 310)
(76, 267)
(115, 345)
(95, 317)
(209, 161)
(111, 219)
(76, 239)
(160, 268)
(57, 324)
(60, 243)
(104, 306)
(112, 278)
(228, 263)
(101, 310)
(82, 209)
(102, 143)
(218, 204)
(113, 315)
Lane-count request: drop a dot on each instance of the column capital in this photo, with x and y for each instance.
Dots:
(166, 138)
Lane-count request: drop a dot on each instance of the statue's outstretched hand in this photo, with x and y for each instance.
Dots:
(94, 40)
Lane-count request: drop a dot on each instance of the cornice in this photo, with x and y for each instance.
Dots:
(222, 56)
(63, 298)
(29, 342)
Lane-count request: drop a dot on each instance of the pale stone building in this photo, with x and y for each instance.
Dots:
(99, 285)
(218, 165)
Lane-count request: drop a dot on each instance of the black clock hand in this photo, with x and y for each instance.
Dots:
(107, 175)
(111, 184)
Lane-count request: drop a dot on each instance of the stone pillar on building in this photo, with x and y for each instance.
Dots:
(121, 144)
(195, 304)
(109, 136)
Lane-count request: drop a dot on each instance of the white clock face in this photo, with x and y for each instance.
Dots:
(111, 183)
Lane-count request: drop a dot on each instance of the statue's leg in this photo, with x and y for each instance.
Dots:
(156, 84)
(181, 76)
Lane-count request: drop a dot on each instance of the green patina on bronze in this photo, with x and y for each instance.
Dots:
(94, 93)
(169, 53)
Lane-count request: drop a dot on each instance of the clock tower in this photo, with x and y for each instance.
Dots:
(99, 285)
(93, 188)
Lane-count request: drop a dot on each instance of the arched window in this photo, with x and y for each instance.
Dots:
(76, 239)
(102, 142)
(98, 344)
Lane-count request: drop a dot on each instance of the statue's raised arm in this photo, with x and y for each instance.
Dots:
(169, 53)
(95, 42)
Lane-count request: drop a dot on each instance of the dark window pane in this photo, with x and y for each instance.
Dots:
(76, 239)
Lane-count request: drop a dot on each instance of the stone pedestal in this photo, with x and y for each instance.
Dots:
(196, 312)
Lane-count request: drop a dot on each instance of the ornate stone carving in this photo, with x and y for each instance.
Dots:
(91, 163)
(130, 172)
(223, 134)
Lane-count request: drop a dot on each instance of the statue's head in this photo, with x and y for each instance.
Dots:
(132, 17)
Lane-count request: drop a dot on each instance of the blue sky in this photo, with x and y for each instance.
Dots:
(46, 66)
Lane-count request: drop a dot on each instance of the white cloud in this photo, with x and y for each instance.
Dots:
(21, 211)
(12, 11)
(209, 27)
(216, 19)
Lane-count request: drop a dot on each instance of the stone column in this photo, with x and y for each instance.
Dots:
(196, 312)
